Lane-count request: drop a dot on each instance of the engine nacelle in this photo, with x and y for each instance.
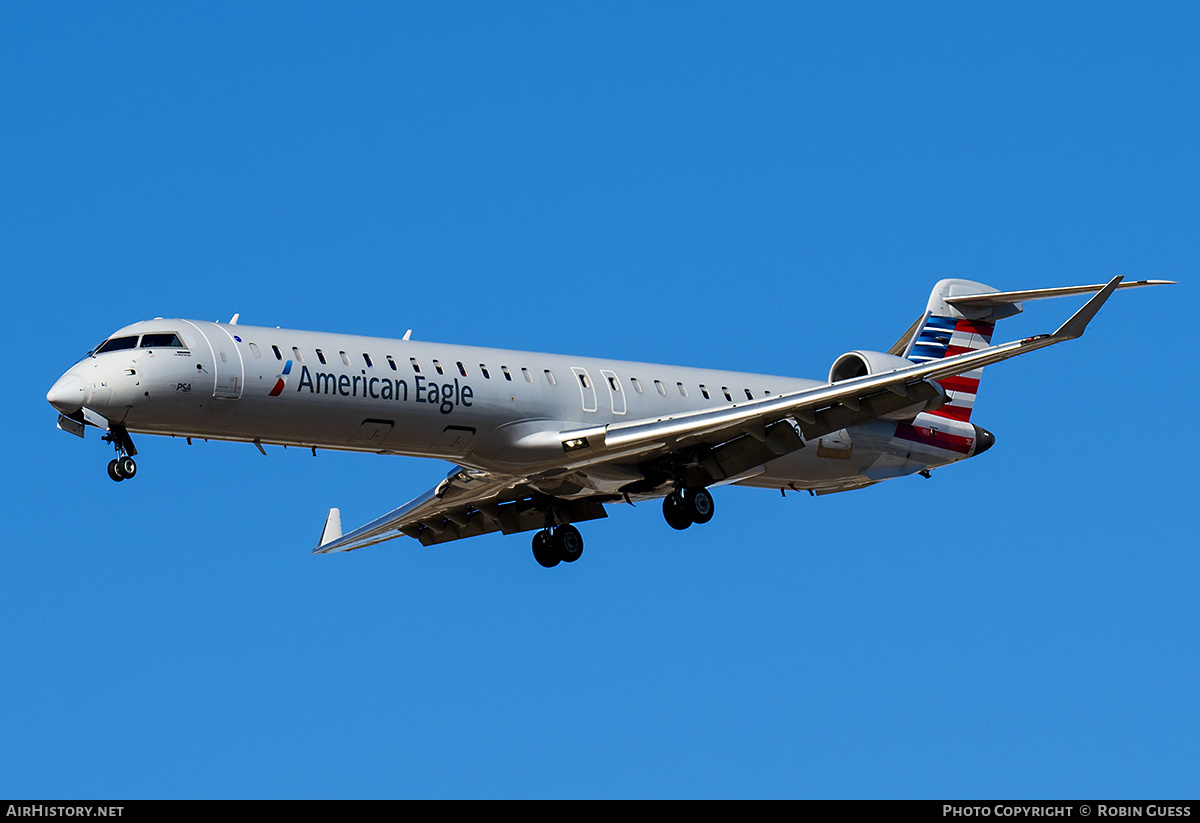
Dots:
(862, 363)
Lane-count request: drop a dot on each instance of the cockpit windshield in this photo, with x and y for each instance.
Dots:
(163, 340)
(117, 344)
(154, 340)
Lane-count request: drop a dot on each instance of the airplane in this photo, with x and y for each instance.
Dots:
(541, 442)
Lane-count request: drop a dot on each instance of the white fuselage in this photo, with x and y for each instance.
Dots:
(474, 406)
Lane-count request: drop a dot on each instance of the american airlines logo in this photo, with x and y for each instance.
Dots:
(280, 381)
(446, 396)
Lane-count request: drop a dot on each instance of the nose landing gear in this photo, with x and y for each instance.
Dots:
(122, 467)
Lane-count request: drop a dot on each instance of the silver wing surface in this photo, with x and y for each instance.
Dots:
(706, 446)
(467, 503)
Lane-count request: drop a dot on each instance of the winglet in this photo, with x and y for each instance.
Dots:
(333, 527)
(1075, 326)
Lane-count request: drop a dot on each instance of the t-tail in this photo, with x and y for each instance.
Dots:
(960, 318)
(946, 330)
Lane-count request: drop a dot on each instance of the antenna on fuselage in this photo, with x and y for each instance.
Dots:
(407, 335)
(233, 320)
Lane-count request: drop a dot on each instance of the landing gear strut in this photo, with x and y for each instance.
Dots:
(122, 467)
(557, 544)
(682, 509)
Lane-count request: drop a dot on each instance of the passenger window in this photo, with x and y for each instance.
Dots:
(612, 383)
(391, 362)
(728, 396)
(682, 389)
(345, 358)
(321, 356)
(437, 366)
(704, 391)
(749, 396)
(296, 353)
(416, 366)
(583, 380)
(637, 384)
(484, 370)
(278, 353)
(550, 378)
(661, 388)
(253, 350)
(507, 376)
(367, 360)
(528, 376)
(461, 368)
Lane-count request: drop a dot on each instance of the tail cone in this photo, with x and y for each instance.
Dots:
(984, 440)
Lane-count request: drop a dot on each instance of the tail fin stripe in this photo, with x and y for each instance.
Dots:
(942, 337)
(955, 412)
(946, 336)
(960, 383)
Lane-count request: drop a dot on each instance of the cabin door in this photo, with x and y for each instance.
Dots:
(227, 369)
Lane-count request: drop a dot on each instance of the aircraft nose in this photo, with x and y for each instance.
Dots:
(66, 394)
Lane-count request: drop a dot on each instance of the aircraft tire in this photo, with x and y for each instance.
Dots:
(543, 550)
(699, 505)
(114, 471)
(676, 512)
(568, 542)
(126, 467)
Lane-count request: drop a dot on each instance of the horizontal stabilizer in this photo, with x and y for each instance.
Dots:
(999, 298)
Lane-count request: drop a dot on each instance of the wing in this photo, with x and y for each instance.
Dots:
(816, 411)
(469, 503)
(706, 447)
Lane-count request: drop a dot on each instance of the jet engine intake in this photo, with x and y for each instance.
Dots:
(927, 395)
(861, 363)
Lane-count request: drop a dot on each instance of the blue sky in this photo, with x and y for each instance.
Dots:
(755, 186)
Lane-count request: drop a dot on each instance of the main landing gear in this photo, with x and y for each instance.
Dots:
(557, 544)
(682, 509)
(564, 544)
(122, 467)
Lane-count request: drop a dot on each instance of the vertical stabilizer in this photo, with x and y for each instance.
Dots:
(947, 330)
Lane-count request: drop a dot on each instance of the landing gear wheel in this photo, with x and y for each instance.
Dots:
(543, 550)
(114, 471)
(699, 505)
(568, 542)
(676, 512)
(126, 467)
